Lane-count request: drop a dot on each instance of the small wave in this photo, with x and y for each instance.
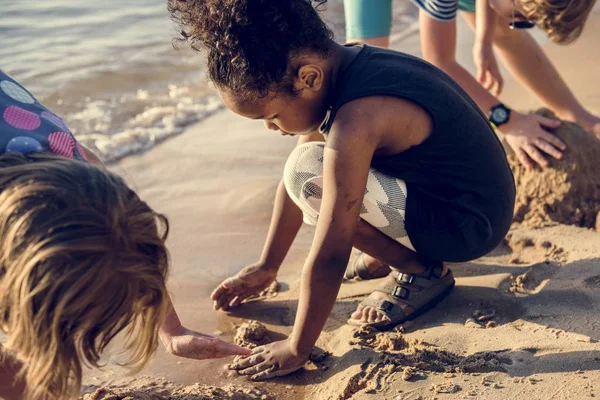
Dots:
(145, 129)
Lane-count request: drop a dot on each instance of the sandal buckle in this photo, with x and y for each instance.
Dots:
(401, 292)
(385, 306)
(405, 278)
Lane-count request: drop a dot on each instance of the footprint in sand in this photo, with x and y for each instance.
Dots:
(592, 282)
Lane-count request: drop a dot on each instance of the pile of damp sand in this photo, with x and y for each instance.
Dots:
(568, 191)
(161, 389)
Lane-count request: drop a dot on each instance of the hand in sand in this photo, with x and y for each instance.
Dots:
(248, 282)
(488, 73)
(186, 343)
(526, 135)
(269, 361)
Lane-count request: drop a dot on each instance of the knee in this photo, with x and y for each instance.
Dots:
(302, 178)
(304, 163)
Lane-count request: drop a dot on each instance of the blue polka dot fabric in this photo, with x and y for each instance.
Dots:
(26, 126)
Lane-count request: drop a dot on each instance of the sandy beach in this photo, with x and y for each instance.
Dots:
(522, 322)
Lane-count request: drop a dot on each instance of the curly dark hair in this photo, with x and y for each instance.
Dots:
(250, 44)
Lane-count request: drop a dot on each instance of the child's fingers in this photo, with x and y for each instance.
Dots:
(272, 373)
(248, 362)
(223, 301)
(217, 292)
(547, 122)
(224, 349)
(525, 160)
(239, 300)
(535, 155)
(547, 148)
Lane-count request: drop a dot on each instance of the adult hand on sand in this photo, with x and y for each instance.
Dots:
(186, 343)
(526, 135)
(248, 282)
(271, 360)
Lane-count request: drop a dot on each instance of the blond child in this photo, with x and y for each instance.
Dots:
(82, 258)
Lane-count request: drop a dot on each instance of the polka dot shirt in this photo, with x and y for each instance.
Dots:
(26, 126)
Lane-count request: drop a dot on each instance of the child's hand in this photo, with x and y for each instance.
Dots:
(488, 73)
(190, 344)
(248, 282)
(526, 135)
(269, 361)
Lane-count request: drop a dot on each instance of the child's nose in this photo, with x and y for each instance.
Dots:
(271, 125)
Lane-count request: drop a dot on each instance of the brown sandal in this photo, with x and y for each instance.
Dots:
(416, 292)
(358, 270)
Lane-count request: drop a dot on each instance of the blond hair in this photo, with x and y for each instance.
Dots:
(562, 20)
(82, 258)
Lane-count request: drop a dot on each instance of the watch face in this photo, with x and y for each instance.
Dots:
(499, 115)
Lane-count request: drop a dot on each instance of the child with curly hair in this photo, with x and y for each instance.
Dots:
(393, 158)
(82, 259)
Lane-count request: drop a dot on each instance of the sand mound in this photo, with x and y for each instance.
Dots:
(161, 389)
(568, 192)
(251, 334)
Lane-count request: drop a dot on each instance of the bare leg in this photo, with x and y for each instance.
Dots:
(381, 41)
(528, 63)
(381, 247)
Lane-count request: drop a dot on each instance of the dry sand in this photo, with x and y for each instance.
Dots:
(521, 323)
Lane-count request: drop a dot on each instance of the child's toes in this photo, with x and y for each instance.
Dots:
(358, 314)
(373, 315)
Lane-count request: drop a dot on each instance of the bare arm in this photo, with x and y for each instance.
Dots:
(438, 41)
(524, 133)
(285, 222)
(187, 343)
(488, 73)
(347, 158)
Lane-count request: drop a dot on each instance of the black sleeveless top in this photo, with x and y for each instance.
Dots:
(459, 184)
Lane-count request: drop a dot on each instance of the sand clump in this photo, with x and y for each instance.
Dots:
(405, 352)
(482, 319)
(251, 334)
(147, 388)
(414, 360)
(568, 191)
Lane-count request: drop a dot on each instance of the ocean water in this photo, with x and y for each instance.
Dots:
(109, 69)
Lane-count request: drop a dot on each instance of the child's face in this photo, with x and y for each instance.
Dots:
(299, 114)
(290, 115)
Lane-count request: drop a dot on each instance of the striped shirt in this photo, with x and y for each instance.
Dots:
(441, 10)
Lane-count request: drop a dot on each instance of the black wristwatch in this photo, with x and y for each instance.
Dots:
(499, 114)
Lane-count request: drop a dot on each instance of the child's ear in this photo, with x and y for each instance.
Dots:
(310, 76)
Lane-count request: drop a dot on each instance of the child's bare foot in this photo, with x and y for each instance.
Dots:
(246, 283)
(402, 297)
(366, 267)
